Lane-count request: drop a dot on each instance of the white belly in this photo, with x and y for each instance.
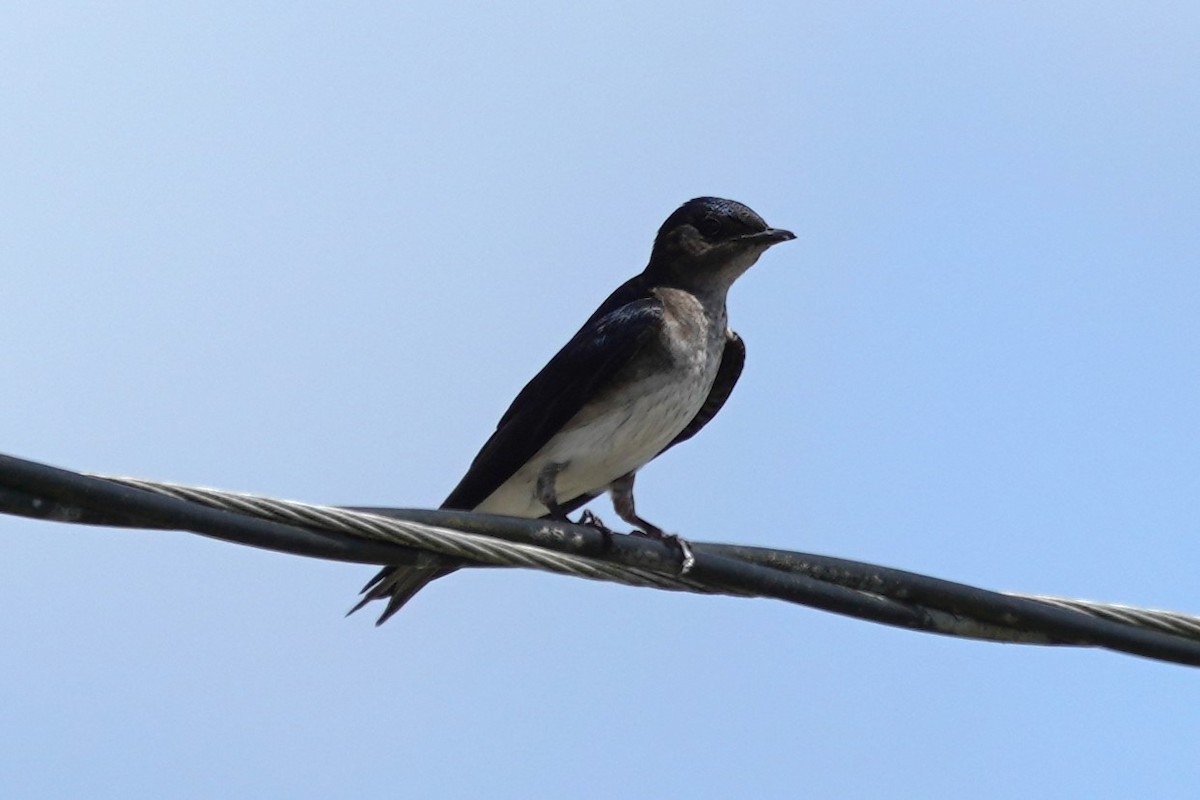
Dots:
(596, 449)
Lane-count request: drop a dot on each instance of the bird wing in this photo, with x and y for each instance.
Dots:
(733, 358)
(613, 335)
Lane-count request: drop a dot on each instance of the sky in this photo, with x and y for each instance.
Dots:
(313, 250)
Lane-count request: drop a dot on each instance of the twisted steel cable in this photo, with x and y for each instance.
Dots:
(404, 536)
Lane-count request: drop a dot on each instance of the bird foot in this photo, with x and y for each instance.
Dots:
(592, 521)
(687, 559)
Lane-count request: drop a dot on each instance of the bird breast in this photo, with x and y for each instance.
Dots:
(648, 406)
(625, 427)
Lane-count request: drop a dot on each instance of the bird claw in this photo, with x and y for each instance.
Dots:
(592, 521)
(687, 559)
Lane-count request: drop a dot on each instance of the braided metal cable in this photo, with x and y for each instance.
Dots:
(487, 550)
(446, 541)
(1172, 622)
(407, 536)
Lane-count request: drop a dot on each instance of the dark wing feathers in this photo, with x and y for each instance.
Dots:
(579, 371)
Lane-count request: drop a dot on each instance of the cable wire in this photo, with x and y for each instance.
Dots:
(399, 536)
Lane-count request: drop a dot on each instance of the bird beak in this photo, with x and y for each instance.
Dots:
(770, 236)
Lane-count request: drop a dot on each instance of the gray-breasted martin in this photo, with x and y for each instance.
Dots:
(648, 370)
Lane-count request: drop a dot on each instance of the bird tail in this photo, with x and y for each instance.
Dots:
(398, 584)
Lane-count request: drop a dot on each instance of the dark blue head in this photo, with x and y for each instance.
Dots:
(708, 242)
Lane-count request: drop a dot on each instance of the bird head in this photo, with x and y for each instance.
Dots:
(708, 243)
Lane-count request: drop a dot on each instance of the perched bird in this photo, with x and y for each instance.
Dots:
(648, 370)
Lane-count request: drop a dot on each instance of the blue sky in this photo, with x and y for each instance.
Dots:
(313, 251)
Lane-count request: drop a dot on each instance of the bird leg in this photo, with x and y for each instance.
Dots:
(622, 497)
(546, 494)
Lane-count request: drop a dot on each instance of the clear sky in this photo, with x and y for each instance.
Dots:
(313, 250)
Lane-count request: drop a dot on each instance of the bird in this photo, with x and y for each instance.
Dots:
(648, 369)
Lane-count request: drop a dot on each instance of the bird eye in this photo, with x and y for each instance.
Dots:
(710, 227)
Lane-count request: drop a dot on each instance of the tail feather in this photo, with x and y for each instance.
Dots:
(398, 584)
